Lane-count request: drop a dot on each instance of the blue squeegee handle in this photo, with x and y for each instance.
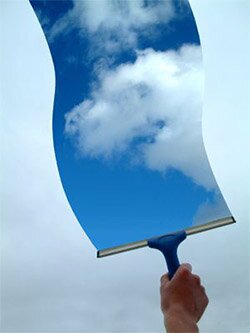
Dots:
(168, 245)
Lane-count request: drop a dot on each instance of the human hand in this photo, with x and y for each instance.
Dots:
(183, 300)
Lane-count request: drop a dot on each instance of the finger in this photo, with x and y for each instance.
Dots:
(164, 278)
(184, 271)
(203, 304)
(197, 279)
(187, 266)
(206, 300)
(203, 290)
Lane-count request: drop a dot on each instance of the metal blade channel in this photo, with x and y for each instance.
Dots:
(189, 231)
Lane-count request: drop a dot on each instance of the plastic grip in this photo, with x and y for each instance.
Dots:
(168, 245)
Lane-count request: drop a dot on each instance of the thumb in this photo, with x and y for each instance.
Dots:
(183, 270)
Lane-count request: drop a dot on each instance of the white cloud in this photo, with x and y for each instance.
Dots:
(112, 25)
(145, 109)
(211, 210)
(127, 15)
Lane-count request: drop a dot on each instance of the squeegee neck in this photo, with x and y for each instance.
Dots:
(168, 246)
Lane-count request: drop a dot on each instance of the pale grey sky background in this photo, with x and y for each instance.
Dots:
(50, 278)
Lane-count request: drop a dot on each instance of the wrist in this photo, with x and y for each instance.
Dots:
(179, 321)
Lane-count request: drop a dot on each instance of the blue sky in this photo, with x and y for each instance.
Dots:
(139, 168)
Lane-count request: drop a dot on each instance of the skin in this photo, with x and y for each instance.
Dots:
(183, 300)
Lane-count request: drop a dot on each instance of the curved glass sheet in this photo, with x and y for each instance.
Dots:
(127, 117)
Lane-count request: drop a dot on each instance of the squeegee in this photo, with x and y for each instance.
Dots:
(167, 244)
(127, 130)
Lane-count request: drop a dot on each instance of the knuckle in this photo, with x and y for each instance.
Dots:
(187, 266)
(197, 279)
(184, 273)
(203, 290)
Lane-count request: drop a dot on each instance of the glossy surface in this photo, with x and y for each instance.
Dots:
(127, 118)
